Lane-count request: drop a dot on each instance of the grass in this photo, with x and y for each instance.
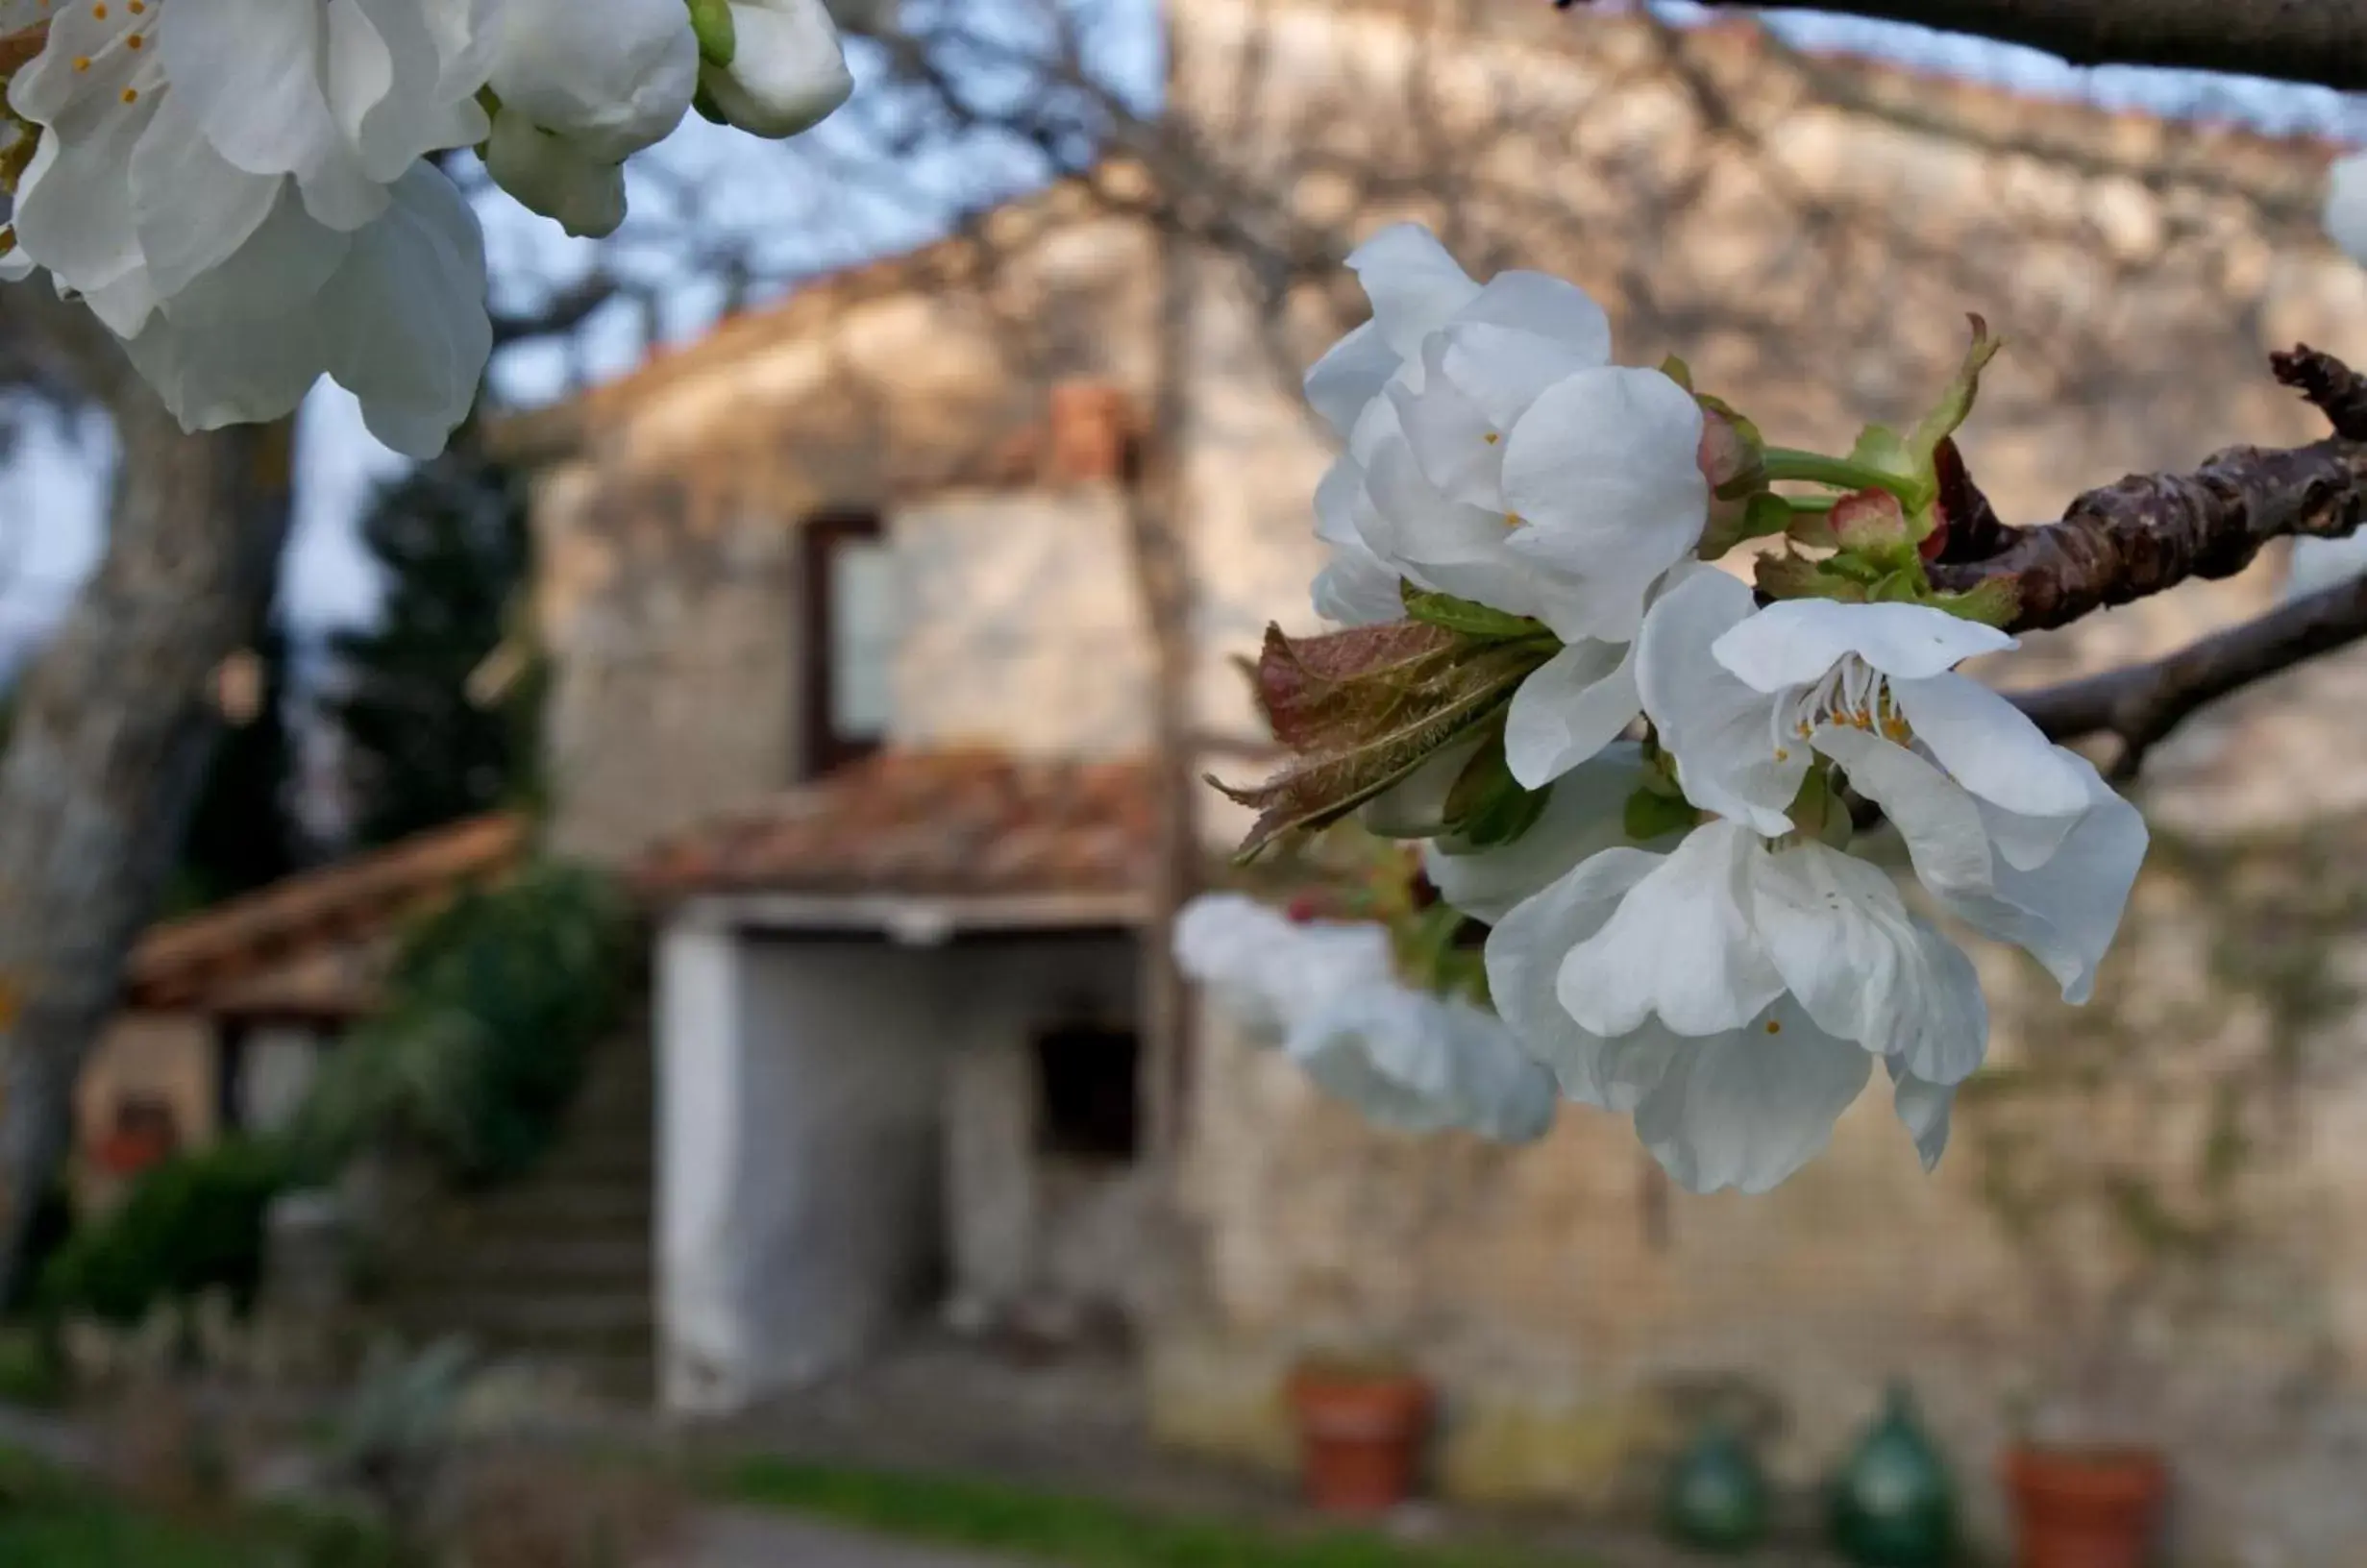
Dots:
(49, 1519)
(1077, 1533)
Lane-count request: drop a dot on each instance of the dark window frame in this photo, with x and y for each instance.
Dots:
(826, 746)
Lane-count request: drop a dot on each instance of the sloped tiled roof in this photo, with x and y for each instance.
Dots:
(944, 823)
(314, 942)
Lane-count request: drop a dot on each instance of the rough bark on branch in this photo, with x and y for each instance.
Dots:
(2294, 40)
(2150, 532)
(111, 732)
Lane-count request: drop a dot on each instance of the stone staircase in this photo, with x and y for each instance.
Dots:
(558, 1266)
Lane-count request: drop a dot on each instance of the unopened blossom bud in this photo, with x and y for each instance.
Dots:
(612, 76)
(786, 73)
(550, 174)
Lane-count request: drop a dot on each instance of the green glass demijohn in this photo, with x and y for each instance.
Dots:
(1716, 1495)
(1893, 1503)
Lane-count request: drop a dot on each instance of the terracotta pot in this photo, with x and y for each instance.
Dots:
(1360, 1437)
(2086, 1507)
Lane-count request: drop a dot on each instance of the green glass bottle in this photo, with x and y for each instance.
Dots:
(1893, 1503)
(1716, 1496)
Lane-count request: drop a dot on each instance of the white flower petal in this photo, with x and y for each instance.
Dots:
(1585, 812)
(1836, 930)
(1794, 642)
(1573, 705)
(1721, 731)
(2346, 205)
(1923, 1107)
(1680, 947)
(1458, 447)
(1551, 309)
(1504, 370)
(424, 266)
(1748, 1106)
(2069, 908)
(1524, 956)
(1412, 808)
(1604, 469)
(1354, 589)
(1349, 376)
(191, 208)
(1415, 285)
(1440, 543)
(1989, 746)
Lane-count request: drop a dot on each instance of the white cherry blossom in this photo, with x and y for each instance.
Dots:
(550, 174)
(1744, 699)
(1732, 995)
(1329, 993)
(2017, 837)
(1468, 409)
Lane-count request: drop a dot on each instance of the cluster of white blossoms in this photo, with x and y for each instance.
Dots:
(1679, 929)
(1328, 991)
(244, 190)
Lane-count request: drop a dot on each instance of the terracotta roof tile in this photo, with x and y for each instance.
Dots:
(962, 823)
(202, 959)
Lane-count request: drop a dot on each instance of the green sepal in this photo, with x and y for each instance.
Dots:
(719, 42)
(1461, 615)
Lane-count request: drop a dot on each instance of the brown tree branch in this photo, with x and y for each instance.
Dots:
(2150, 532)
(2294, 40)
(2140, 705)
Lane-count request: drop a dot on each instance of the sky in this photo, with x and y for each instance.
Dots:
(52, 492)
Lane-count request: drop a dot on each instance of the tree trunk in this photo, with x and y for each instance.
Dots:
(1160, 557)
(113, 726)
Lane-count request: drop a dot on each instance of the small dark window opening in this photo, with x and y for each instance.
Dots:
(848, 643)
(1088, 1103)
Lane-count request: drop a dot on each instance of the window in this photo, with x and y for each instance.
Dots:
(849, 643)
(1087, 1100)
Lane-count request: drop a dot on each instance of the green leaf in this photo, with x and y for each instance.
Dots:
(1487, 807)
(1463, 616)
(1363, 708)
(1650, 814)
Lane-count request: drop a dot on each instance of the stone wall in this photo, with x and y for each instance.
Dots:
(668, 578)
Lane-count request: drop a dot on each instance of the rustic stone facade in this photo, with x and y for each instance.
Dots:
(1810, 234)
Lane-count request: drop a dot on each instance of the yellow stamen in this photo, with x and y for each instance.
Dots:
(82, 62)
(133, 41)
(1514, 520)
(1774, 1027)
(1782, 755)
(131, 95)
(100, 12)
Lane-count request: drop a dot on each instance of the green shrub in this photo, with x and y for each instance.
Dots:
(491, 1011)
(31, 1370)
(191, 1224)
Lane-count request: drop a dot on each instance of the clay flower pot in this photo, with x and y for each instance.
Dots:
(1360, 1437)
(2086, 1507)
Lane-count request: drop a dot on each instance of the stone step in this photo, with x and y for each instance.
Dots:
(542, 1263)
(587, 1319)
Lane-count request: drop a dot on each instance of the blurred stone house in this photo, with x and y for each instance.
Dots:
(851, 671)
